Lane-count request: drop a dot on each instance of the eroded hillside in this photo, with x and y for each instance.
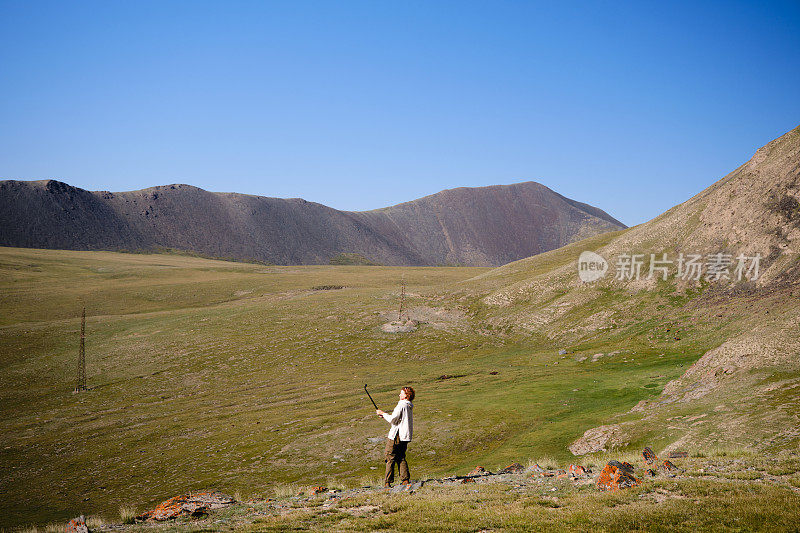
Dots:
(741, 324)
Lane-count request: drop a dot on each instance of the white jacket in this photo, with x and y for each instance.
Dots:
(402, 420)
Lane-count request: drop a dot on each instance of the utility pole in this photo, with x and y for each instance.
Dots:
(402, 298)
(81, 384)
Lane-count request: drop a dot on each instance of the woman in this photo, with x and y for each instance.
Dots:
(399, 436)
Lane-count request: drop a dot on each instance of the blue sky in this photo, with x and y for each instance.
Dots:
(632, 107)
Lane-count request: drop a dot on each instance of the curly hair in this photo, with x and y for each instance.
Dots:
(409, 393)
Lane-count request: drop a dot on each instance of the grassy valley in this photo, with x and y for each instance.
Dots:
(248, 377)
(243, 377)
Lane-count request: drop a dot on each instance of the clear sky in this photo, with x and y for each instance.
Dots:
(629, 106)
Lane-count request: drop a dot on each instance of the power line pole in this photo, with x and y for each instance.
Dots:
(402, 298)
(81, 384)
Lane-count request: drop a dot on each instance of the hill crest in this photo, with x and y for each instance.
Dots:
(484, 226)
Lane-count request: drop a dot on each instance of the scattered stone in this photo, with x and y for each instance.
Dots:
(561, 474)
(402, 487)
(562, 351)
(535, 469)
(669, 469)
(616, 476)
(649, 456)
(313, 491)
(468, 480)
(651, 472)
(477, 471)
(399, 326)
(678, 455)
(192, 505)
(578, 471)
(411, 487)
(513, 468)
(494, 373)
(448, 376)
(77, 525)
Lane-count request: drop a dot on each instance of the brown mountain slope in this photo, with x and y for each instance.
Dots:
(743, 388)
(489, 225)
(470, 226)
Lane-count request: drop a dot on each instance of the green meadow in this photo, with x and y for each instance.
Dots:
(245, 377)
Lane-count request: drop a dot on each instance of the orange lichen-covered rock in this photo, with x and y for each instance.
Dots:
(77, 525)
(577, 471)
(196, 504)
(513, 468)
(477, 471)
(316, 490)
(616, 476)
(173, 508)
(649, 456)
(668, 468)
(624, 466)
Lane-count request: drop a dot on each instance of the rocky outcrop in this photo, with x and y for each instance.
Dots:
(616, 476)
(196, 504)
(649, 456)
(77, 525)
(668, 468)
(573, 472)
(577, 471)
(513, 468)
(477, 471)
(597, 439)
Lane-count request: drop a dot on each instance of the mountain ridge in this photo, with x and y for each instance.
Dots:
(474, 226)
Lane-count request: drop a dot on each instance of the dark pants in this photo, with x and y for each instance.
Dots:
(396, 453)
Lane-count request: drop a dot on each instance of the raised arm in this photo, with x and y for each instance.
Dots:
(396, 415)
